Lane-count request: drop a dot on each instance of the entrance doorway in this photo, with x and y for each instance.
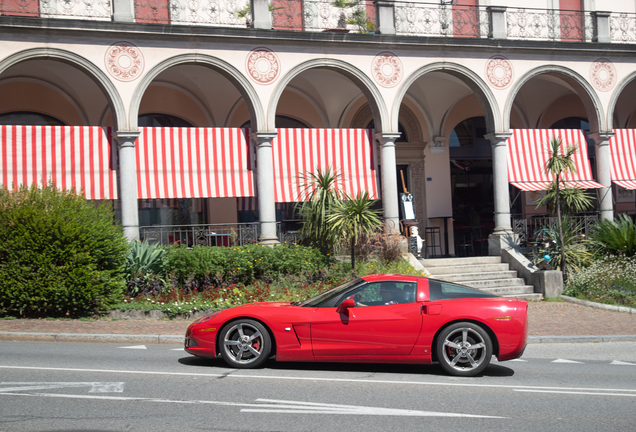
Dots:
(472, 187)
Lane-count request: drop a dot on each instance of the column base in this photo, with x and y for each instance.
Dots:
(268, 241)
(501, 239)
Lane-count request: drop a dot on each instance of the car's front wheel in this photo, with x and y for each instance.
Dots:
(244, 343)
(464, 349)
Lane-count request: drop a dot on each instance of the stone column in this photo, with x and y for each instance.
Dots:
(385, 13)
(124, 11)
(389, 181)
(128, 184)
(261, 16)
(503, 235)
(265, 181)
(603, 173)
(497, 25)
(602, 32)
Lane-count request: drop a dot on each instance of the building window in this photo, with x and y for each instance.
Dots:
(28, 118)
(161, 120)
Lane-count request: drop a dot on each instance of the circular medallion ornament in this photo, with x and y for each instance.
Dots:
(499, 72)
(387, 69)
(124, 61)
(603, 74)
(262, 65)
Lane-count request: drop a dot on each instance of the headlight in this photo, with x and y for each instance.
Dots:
(207, 317)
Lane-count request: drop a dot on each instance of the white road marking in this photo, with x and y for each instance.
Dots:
(275, 406)
(518, 360)
(574, 392)
(96, 387)
(622, 363)
(567, 361)
(177, 349)
(134, 347)
(296, 378)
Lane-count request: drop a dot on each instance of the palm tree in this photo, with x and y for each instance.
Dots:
(318, 196)
(559, 163)
(354, 218)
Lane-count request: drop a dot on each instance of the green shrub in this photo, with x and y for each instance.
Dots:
(205, 267)
(610, 280)
(616, 237)
(60, 255)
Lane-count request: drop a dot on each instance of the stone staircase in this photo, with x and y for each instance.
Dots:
(485, 273)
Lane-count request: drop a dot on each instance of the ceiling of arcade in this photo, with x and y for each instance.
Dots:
(321, 98)
(53, 88)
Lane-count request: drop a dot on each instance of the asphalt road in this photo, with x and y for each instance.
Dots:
(110, 387)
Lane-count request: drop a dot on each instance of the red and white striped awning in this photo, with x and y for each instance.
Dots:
(349, 152)
(80, 156)
(528, 154)
(194, 163)
(623, 151)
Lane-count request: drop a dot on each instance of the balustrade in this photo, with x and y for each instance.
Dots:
(410, 18)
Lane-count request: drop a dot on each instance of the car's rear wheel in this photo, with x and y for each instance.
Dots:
(464, 349)
(244, 343)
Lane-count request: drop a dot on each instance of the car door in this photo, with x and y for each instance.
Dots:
(373, 327)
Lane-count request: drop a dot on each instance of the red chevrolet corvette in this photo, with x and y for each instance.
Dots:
(374, 319)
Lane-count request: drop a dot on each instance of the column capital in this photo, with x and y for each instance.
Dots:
(601, 138)
(387, 138)
(126, 138)
(498, 138)
(263, 138)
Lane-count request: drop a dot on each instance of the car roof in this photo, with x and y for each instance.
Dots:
(389, 277)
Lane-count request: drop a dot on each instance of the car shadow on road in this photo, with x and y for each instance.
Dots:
(493, 370)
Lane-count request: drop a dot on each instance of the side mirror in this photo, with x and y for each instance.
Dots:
(345, 305)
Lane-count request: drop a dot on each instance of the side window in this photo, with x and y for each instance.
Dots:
(441, 291)
(383, 293)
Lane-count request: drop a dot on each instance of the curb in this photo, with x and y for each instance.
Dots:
(176, 339)
(581, 339)
(76, 337)
(622, 309)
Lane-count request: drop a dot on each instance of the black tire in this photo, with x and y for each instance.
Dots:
(244, 344)
(464, 349)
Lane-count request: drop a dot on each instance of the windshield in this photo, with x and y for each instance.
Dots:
(315, 301)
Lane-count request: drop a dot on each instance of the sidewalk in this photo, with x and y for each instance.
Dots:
(549, 322)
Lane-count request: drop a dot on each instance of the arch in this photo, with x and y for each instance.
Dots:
(618, 91)
(582, 88)
(96, 74)
(471, 79)
(239, 80)
(363, 82)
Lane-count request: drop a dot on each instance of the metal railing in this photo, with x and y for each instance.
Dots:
(434, 19)
(228, 234)
(549, 24)
(100, 10)
(623, 27)
(525, 228)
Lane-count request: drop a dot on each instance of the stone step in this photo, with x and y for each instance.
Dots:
(481, 268)
(494, 283)
(446, 262)
(461, 277)
(510, 290)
